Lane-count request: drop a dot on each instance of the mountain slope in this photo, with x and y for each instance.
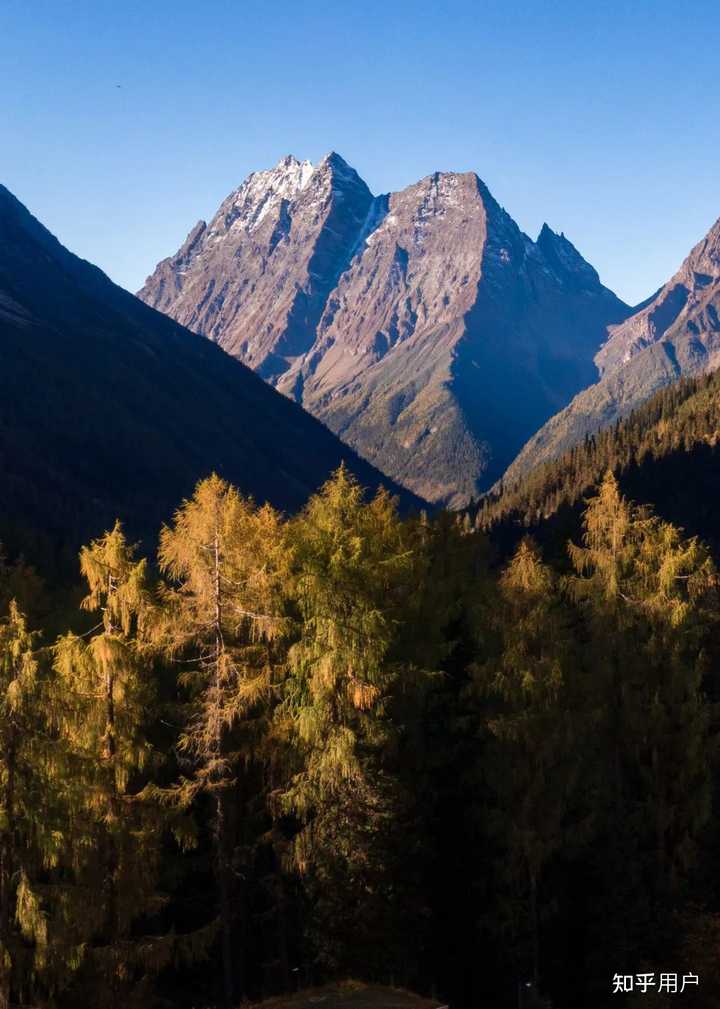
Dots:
(229, 279)
(110, 408)
(423, 327)
(666, 453)
(676, 333)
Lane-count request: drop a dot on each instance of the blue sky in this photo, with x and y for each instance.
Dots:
(601, 119)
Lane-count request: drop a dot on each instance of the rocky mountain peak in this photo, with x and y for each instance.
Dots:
(422, 326)
(89, 371)
(333, 174)
(334, 162)
(565, 258)
(261, 194)
(704, 259)
(682, 316)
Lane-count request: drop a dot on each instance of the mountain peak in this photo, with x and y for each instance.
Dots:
(400, 321)
(556, 240)
(66, 328)
(674, 333)
(547, 234)
(564, 257)
(261, 194)
(683, 315)
(291, 167)
(333, 160)
(704, 259)
(339, 170)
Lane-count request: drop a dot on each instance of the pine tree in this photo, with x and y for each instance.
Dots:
(221, 619)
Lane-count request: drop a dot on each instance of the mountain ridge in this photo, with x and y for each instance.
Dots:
(674, 334)
(665, 454)
(395, 319)
(109, 408)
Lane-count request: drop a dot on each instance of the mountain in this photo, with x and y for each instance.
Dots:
(109, 408)
(676, 333)
(422, 326)
(666, 453)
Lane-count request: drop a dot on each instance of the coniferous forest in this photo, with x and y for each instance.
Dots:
(359, 525)
(666, 451)
(276, 750)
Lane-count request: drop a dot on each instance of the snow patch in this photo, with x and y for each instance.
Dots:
(262, 193)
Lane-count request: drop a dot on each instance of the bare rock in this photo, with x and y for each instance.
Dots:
(423, 326)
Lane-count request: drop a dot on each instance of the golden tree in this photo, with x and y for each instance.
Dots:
(20, 821)
(103, 706)
(221, 620)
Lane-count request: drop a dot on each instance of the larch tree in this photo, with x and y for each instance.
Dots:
(677, 596)
(354, 586)
(103, 703)
(37, 958)
(21, 724)
(533, 756)
(646, 594)
(221, 620)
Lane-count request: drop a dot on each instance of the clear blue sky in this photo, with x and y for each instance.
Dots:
(601, 118)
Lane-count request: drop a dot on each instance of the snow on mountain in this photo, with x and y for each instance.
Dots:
(422, 326)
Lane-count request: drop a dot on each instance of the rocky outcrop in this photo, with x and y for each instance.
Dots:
(423, 326)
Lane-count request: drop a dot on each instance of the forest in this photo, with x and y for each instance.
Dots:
(665, 452)
(345, 743)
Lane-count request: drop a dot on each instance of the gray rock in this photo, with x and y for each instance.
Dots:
(423, 327)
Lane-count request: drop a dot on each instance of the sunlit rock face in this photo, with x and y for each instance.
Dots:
(422, 326)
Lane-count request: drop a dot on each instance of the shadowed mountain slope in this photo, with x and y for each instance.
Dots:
(666, 454)
(675, 334)
(109, 408)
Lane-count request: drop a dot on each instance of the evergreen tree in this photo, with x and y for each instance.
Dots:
(355, 586)
(390, 755)
(677, 593)
(645, 593)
